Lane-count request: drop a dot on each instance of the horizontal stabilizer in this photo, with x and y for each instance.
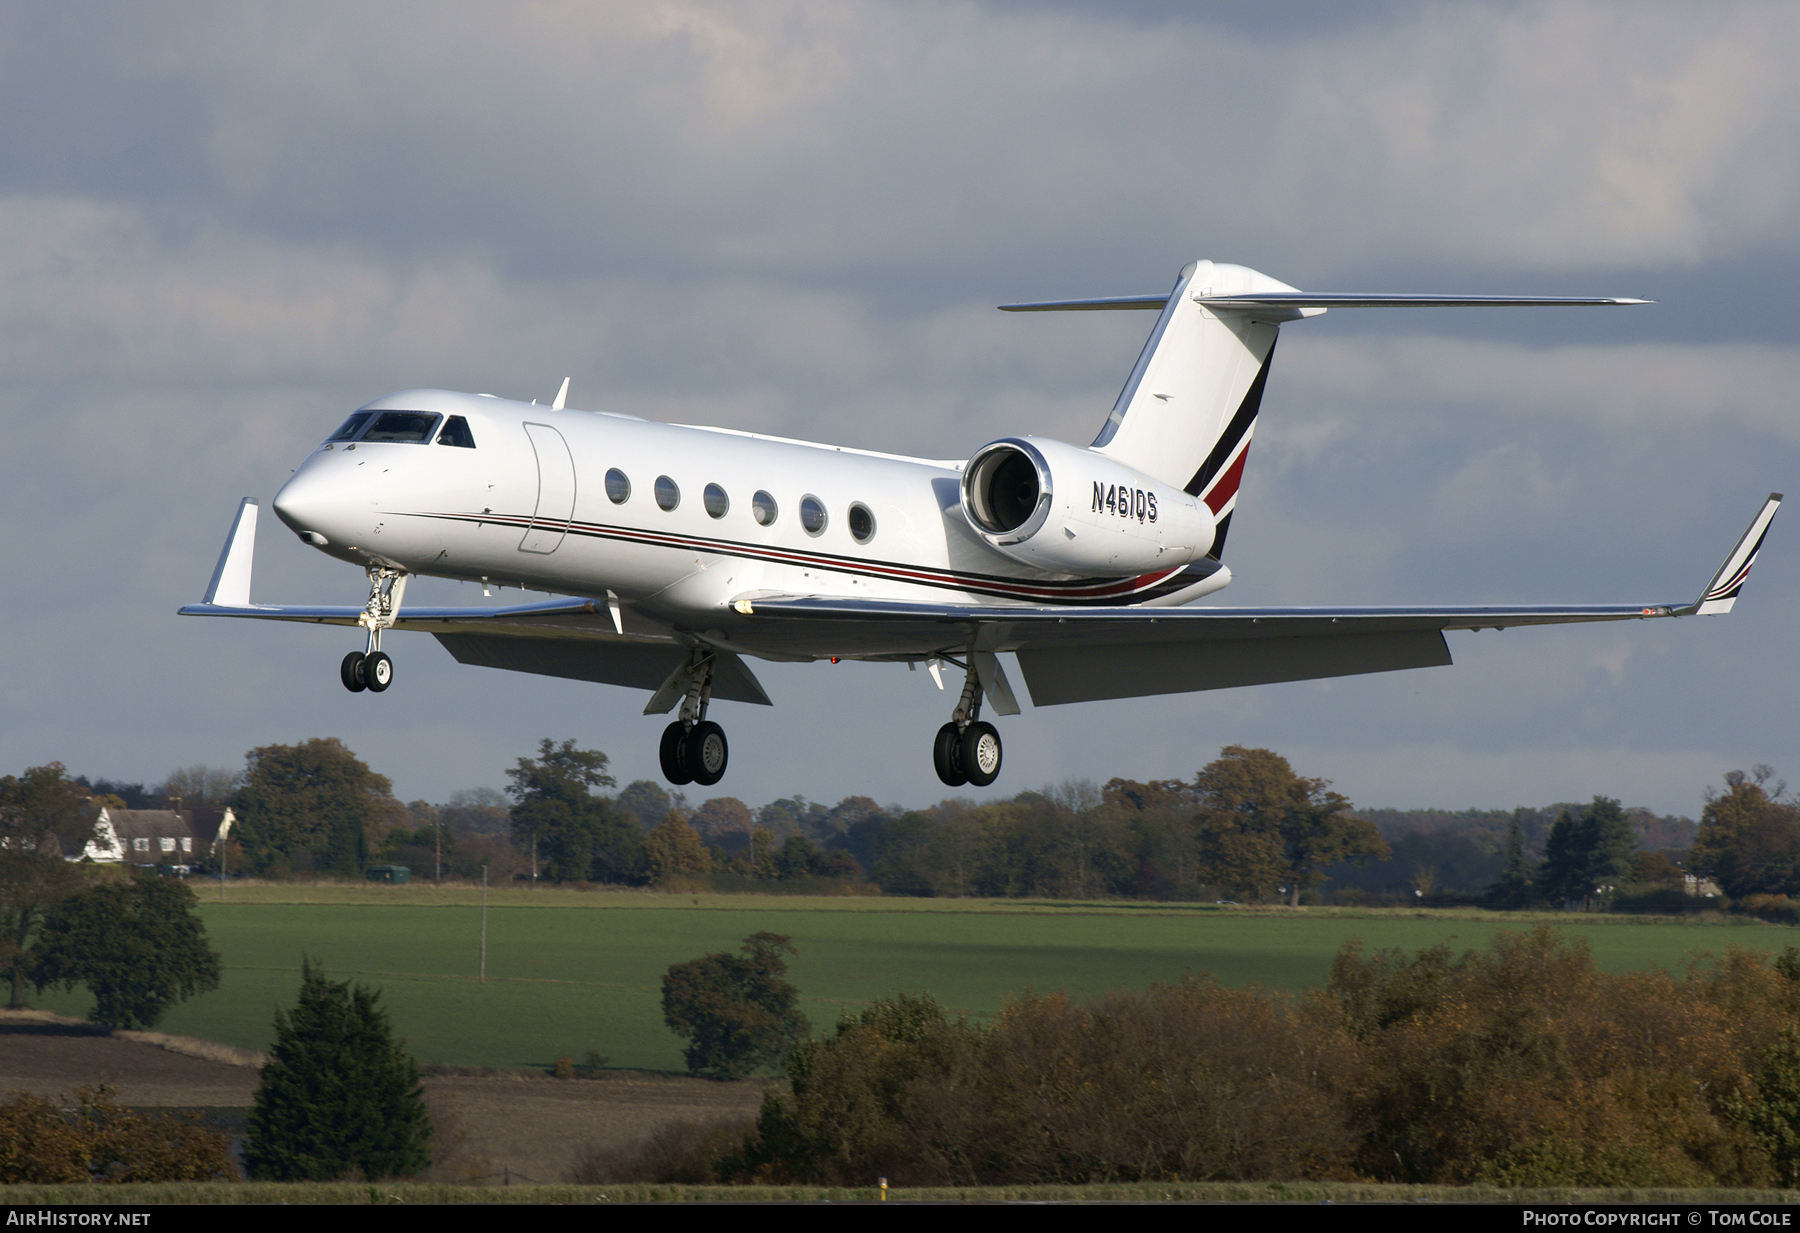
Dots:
(1303, 299)
(1152, 303)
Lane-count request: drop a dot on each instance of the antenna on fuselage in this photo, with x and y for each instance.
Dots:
(562, 396)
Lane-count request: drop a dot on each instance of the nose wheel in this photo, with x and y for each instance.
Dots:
(372, 669)
(967, 749)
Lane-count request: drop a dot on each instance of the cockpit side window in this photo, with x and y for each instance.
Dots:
(351, 426)
(406, 427)
(456, 432)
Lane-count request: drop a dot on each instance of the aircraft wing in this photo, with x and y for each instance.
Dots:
(580, 639)
(1085, 655)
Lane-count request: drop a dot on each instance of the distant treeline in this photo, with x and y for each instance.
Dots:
(1246, 828)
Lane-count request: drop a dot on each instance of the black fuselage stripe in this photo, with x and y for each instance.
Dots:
(1099, 591)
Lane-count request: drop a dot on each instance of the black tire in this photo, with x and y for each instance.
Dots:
(978, 754)
(944, 756)
(378, 672)
(706, 752)
(351, 671)
(674, 764)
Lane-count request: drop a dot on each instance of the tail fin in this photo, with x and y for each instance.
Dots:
(1188, 411)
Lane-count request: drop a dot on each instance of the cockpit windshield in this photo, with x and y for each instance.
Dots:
(352, 426)
(404, 427)
(409, 427)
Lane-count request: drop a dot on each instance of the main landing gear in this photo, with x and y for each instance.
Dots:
(371, 669)
(967, 749)
(694, 749)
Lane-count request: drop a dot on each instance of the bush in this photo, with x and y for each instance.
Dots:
(680, 1153)
(340, 1095)
(102, 1142)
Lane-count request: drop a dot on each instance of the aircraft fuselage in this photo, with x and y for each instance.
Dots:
(678, 522)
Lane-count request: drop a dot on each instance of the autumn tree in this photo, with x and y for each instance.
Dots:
(339, 1093)
(310, 806)
(1260, 826)
(42, 821)
(138, 946)
(572, 834)
(1749, 838)
(674, 849)
(737, 1012)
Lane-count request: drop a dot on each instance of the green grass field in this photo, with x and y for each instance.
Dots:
(570, 971)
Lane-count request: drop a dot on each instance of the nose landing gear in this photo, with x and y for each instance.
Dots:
(967, 749)
(694, 749)
(372, 669)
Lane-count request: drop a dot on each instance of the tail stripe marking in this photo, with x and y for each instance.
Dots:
(1235, 432)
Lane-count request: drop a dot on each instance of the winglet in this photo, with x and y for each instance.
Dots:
(1722, 591)
(230, 586)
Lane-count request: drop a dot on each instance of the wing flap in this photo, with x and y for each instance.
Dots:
(635, 665)
(1061, 674)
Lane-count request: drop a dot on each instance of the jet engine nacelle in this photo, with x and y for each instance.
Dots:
(1056, 506)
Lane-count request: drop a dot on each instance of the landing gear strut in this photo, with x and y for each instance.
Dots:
(967, 749)
(694, 749)
(371, 669)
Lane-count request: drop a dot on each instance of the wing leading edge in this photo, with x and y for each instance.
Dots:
(1102, 653)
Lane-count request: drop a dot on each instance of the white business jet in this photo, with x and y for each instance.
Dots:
(689, 550)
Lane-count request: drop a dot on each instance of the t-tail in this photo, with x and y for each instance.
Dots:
(1188, 411)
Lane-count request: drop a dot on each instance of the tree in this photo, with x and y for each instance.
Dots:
(1512, 889)
(1749, 838)
(1261, 826)
(674, 849)
(339, 1094)
(1588, 850)
(736, 1012)
(310, 806)
(572, 834)
(646, 802)
(41, 820)
(200, 787)
(138, 946)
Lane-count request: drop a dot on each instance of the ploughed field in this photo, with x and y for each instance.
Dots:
(572, 971)
(510, 1128)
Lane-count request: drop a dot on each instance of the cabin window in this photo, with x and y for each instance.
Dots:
(763, 508)
(140, 845)
(618, 488)
(352, 426)
(715, 500)
(862, 523)
(402, 427)
(456, 432)
(812, 514)
(667, 494)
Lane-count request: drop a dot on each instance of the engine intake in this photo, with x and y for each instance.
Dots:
(1058, 507)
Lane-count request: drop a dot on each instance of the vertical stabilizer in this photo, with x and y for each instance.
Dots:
(1188, 411)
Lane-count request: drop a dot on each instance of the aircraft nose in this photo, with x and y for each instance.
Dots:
(311, 503)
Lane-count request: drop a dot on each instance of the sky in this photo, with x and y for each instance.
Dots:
(222, 226)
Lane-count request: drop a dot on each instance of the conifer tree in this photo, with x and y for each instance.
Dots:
(339, 1094)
